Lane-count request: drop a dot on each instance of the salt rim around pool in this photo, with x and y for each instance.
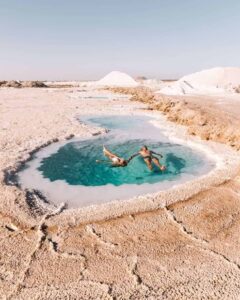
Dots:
(105, 189)
(154, 198)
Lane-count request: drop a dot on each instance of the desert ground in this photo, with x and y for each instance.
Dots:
(185, 250)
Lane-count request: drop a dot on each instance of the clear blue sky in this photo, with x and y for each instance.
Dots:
(75, 39)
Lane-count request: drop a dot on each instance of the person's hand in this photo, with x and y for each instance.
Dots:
(163, 168)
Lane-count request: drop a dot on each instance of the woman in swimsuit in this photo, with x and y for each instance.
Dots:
(149, 158)
(115, 160)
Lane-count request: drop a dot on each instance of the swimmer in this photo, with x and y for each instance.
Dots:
(149, 158)
(115, 160)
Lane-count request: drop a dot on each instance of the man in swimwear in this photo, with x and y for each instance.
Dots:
(149, 158)
(115, 160)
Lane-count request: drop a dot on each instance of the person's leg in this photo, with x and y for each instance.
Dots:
(108, 153)
(148, 163)
(157, 163)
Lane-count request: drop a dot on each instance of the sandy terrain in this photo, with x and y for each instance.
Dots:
(186, 250)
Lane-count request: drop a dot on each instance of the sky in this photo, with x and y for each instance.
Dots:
(84, 40)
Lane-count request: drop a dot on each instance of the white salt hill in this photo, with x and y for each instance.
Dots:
(118, 79)
(178, 88)
(211, 81)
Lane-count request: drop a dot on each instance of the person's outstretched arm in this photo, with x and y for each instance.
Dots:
(131, 157)
(103, 161)
(157, 154)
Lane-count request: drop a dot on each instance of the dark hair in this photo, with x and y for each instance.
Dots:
(125, 163)
(144, 146)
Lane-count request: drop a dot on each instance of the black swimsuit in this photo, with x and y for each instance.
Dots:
(148, 157)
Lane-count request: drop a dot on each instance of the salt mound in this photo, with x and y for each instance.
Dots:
(218, 77)
(116, 78)
(178, 88)
(211, 81)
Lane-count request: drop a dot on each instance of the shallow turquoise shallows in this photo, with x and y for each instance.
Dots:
(75, 162)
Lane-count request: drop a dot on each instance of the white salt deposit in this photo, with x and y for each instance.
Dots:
(116, 78)
(218, 77)
(153, 84)
(70, 83)
(211, 81)
(178, 88)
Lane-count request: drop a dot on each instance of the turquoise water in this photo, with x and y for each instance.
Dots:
(75, 162)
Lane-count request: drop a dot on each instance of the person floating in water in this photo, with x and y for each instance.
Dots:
(115, 160)
(149, 158)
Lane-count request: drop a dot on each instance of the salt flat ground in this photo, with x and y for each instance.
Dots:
(188, 250)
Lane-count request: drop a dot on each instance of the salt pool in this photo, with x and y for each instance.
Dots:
(70, 173)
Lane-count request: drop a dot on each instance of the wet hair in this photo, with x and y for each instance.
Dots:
(122, 163)
(145, 147)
